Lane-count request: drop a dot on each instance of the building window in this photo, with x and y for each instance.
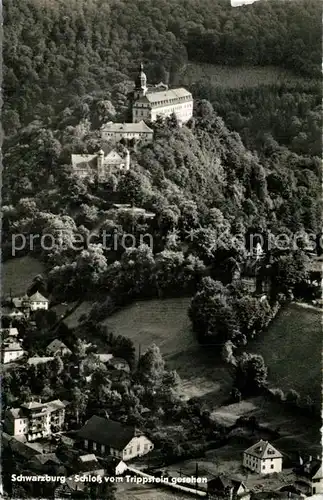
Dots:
(94, 446)
(272, 466)
(130, 451)
(138, 447)
(264, 466)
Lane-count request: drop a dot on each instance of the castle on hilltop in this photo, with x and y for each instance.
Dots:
(150, 102)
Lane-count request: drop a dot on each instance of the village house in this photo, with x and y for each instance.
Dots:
(89, 464)
(69, 487)
(35, 420)
(114, 466)
(138, 131)
(97, 167)
(223, 486)
(9, 333)
(11, 314)
(119, 364)
(46, 463)
(23, 449)
(58, 347)
(11, 351)
(38, 301)
(107, 437)
(21, 302)
(263, 458)
(311, 473)
(151, 102)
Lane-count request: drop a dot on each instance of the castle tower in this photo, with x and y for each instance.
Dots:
(140, 83)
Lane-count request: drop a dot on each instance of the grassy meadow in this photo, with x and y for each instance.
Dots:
(234, 77)
(166, 323)
(17, 274)
(292, 350)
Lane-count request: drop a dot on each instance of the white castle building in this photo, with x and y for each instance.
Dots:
(115, 132)
(151, 102)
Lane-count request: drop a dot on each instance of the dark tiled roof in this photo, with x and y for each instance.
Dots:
(309, 469)
(223, 482)
(107, 432)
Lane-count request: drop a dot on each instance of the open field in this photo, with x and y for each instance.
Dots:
(292, 350)
(234, 77)
(17, 274)
(297, 432)
(165, 323)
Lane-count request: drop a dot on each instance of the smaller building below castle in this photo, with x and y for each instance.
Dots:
(97, 167)
(115, 132)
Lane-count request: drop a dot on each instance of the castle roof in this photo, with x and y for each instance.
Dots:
(84, 160)
(162, 97)
(139, 127)
(113, 157)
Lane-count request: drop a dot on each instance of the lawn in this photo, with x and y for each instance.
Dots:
(165, 323)
(17, 274)
(234, 77)
(297, 432)
(292, 350)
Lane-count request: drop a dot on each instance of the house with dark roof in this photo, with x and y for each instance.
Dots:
(311, 474)
(88, 464)
(263, 458)
(107, 437)
(119, 364)
(46, 463)
(57, 347)
(19, 446)
(223, 486)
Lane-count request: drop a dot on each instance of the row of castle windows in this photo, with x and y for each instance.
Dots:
(168, 101)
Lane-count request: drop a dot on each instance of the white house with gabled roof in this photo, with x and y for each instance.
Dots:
(263, 458)
(38, 301)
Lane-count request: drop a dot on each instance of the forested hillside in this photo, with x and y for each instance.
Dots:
(68, 69)
(56, 50)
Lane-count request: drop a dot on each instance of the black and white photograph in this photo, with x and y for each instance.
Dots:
(162, 250)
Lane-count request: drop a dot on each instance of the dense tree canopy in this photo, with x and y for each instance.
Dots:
(56, 51)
